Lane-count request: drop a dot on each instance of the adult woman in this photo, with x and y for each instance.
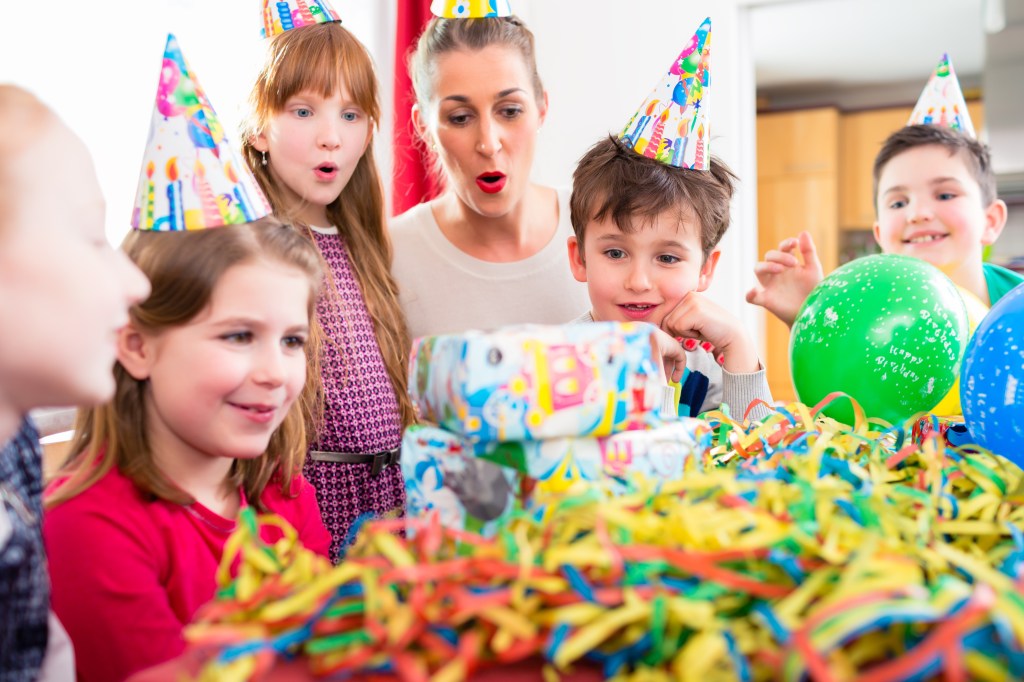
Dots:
(491, 250)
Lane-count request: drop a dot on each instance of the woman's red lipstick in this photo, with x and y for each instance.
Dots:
(491, 182)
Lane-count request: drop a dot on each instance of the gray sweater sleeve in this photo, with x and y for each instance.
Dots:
(735, 390)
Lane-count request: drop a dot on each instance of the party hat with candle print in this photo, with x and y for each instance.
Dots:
(942, 101)
(191, 177)
(673, 124)
(470, 9)
(284, 15)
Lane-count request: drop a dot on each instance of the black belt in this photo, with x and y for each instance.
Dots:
(379, 460)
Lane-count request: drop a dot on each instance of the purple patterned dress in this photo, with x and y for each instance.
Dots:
(361, 413)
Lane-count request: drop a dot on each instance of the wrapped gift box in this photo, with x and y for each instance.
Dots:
(442, 475)
(659, 454)
(477, 486)
(534, 382)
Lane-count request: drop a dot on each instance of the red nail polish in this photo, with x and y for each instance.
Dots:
(707, 346)
(721, 358)
(690, 344)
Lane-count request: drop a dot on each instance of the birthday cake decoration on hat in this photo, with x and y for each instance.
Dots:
(192, 178)
(284, 15)
(942, 101)
(471, 9)
(673, 124)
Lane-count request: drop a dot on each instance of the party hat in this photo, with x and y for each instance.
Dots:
(284, 15)
(470, 9)
(942, 101)
(673, 125)
(191, 177)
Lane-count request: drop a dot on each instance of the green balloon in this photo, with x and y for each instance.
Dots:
(888, 330)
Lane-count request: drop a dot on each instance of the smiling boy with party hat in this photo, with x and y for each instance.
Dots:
(648, 211)
(935, 195)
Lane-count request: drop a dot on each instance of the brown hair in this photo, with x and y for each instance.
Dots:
(976, 156)
(22, 118)
(184, 269)
(320, 59)
(613, 181)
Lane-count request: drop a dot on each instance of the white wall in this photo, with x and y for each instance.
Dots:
(598, 58)
(102, 80)
(1004, 100)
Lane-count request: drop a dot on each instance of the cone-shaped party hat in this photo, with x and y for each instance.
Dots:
(942, 101)
(673, 124)
(191, 177)
(284, 15)
(470, 9)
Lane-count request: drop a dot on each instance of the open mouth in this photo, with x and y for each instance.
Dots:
(326, 171)
(491, 182)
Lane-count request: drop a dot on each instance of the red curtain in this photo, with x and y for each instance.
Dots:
(411, 180)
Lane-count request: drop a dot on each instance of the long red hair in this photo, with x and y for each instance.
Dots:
(320, 59)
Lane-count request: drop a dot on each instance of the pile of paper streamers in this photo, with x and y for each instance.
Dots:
(796, 548)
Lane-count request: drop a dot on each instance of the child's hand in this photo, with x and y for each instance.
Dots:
(784, 282)
(699, 321)
(672, 355)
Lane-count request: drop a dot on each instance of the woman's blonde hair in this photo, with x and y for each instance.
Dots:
(321, 59)
(184, 269)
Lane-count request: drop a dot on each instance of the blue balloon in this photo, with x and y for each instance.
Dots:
(992, 379)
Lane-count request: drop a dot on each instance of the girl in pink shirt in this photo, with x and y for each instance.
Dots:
(209, 415)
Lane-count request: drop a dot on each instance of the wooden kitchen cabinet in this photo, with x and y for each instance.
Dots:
(814, 173)
(798, 180)
(797, 142)
(861, 135)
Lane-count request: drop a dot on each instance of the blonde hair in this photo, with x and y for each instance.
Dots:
(320, 59)
(184, 269)
(23, 117)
